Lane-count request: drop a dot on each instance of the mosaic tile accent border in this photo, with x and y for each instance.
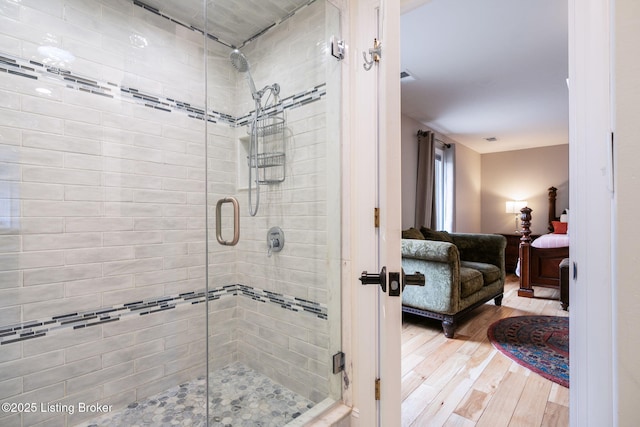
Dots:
(40, 328)
(36, 70)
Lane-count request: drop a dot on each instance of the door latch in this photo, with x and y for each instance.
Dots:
(397, 281)
(375, 279)
(415, 279)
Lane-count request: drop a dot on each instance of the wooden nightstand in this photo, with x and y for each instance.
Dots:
(511, 253)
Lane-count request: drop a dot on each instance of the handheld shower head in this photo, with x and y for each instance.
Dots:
(240, 63)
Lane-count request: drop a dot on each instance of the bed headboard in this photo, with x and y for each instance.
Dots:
(553, 193)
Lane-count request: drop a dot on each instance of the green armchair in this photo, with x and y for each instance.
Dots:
(461, 274)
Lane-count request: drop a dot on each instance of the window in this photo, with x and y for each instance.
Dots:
(444, 185)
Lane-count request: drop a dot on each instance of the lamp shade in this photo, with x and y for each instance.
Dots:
(514, 206)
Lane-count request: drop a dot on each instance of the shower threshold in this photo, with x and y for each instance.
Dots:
(239, 397)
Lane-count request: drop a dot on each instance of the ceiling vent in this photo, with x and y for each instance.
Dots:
(491, 139)
(405, 76)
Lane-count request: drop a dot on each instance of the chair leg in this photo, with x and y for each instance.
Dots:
(448, 326)
(498, 300)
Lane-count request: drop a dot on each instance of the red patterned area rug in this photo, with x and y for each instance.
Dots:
(539, 343)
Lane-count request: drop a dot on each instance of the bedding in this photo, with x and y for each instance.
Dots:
(547, 241)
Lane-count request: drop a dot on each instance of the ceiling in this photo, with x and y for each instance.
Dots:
(231, 21)
(487, 68)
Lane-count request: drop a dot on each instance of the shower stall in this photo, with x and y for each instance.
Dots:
(146, 189)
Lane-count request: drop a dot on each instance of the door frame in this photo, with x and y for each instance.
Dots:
(372, 179)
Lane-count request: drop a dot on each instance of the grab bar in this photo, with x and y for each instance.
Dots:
(236, 221)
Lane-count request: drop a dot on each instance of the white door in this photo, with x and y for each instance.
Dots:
(375, 183)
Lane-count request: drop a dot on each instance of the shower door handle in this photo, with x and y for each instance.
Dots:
(236, 221)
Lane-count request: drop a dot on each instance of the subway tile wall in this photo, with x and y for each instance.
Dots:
(104, 204)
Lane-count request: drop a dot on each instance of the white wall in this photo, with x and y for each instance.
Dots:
(523, 175)
(469, 180)
(626, 234)
(409, 141)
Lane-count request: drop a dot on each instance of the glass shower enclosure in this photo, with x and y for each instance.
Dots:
(170, 190)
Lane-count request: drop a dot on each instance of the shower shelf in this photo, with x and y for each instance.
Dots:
(270, 161)
(267, 160)
(269, 126)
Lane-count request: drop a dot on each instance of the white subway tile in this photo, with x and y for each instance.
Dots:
(97, 285)
(29, 365)
(130, 123)
(61, 373)
(27, 260)
(10, 243)
(84, 382)
(10, 136)
(126, 238)
(82, 161)
(130, 295)
(49, 141)
(96, 255)
(155, 196)
(162, 250)
(83, 193)
(29, 156)
(49, 275)
(40, 242)
(196, 186)
(132, 352)
(10, 171)
(10, 279)
(77, 225)
(134, 266)
(60, 176)
(61, 209)
(142, 224)
(114, 194)
(132, 153)
(132, 381)
(159, 143)
(162, 276)
(10, 388)
(129, 209)
(48, 108)
(19, 119)
(40, 191)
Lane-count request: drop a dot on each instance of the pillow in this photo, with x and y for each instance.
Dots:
(559, 227)
(441, 236)
(412, 233)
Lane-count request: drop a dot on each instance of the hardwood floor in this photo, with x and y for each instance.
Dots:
(466, 382)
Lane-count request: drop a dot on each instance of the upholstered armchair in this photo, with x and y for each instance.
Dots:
(462, 271)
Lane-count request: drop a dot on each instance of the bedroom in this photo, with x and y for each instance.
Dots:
(519, 165)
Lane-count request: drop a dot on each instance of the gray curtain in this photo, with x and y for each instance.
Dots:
(425, 185)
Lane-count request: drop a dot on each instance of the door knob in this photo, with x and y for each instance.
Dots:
(375, 279)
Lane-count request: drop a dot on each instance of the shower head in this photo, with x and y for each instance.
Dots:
(241, 64)
(239, 61)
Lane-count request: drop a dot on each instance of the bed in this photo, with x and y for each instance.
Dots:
(539, 260)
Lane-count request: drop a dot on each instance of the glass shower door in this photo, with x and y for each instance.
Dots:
(273, 144)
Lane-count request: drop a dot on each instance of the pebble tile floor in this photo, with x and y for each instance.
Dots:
(240, 397)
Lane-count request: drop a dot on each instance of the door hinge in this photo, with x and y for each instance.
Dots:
(376, 217)
(377, 391)
(338, 362)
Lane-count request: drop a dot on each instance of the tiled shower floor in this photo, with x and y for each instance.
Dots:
(240, 397)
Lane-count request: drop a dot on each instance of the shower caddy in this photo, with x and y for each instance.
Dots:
(270, 160)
